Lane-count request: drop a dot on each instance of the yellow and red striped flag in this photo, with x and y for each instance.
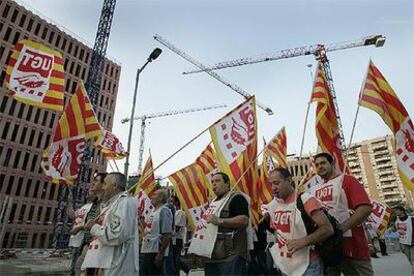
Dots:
(264, 188)
(35, 75)
(207, 162)
(62, 159)
(145, 189)
(235, 141)
(146, 182)
(379, 217)
(378, 96)
(327, 129)
(191, 187)
(110, 146)
(278, 148)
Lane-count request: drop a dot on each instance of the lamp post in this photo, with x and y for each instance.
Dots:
(154, 55)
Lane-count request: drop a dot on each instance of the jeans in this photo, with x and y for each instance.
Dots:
(76, 251)
(147, 266)
(237, 266)
(315, 268)
(177, 247)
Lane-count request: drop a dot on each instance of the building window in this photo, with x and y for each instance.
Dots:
(7, 158)
(74, 84)
(28, 186)
(76, 51)
(30, 25)
(3, 103)
(34, 161)
(45, 115)
(13, 212)
(10, 185)
(57, 40)
(19, 186)
(7, 34)
(22, 20)
(52, 35)
(5, 130)
(39, 140)
(17, 159)
(22, 212)
(70, 47)
(48, 213)
(31, 138)
(37, 115)
(52, 120)
(16, 38)
(47, 141)
(63, 44)
(36, 189)
(43, 241)
(39, 213)
(34, 240)
(31, 212)
(44, 33)
(37, 30)
(15, 131)
(6, 11)
(52, 191)
(23, 136)
(21, 110)
(81, 54)
(12, 107)
(14, 16)
(29, 113)
(25, 160)
(44, 190)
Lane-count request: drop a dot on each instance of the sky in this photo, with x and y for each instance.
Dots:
(213, 31)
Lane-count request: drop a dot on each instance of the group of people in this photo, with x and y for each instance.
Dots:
(105, 236)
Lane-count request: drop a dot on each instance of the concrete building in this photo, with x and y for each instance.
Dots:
(26, 130)
(373, 163)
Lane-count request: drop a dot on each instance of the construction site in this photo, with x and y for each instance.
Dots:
(177, 97)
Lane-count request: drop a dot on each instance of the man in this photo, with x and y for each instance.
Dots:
(404, 225)
(80, 238)
(157, 236)
(342, 195)
(114, 247)
(230, 250)
(180, 222)
(292, 251)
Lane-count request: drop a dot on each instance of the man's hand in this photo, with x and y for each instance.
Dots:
(296, 244)
(212, 219)
(158, 259)
(89, 224)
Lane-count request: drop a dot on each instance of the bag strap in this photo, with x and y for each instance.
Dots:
(307, 220)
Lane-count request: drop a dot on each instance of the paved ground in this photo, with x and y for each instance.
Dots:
(394, 265)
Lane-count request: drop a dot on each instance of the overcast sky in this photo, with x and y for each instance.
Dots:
(212, 31)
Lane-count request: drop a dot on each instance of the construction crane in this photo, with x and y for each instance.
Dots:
(143, 119)
(93, 86)
(318, 50)
(234, 87)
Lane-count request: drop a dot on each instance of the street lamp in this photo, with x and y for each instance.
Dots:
(154, 55)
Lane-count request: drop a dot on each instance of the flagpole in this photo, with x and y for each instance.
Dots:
(301, 150)
(113, 160)
(110, 165)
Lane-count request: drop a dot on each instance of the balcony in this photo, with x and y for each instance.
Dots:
(380, 146)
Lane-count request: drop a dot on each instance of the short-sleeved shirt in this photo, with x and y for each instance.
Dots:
(238, 206)
(356, 247)
(181, 221)
(166, 220)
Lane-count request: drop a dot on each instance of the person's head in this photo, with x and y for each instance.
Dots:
(281, 181)
(159, 197)
(115, 183)
(175, 201)
(220, 183)
(325, 165)
(97, 184)
(400, 212)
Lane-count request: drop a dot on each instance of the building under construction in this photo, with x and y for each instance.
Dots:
(27, 130)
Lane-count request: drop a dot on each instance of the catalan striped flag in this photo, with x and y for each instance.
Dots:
(327, 129)
(110, 146)
(190, 185)
(62, 159)
(378, 96)
(264, 189)
(235, 141)
(278, 148)
(207, 162)
(35, 75)
(380, 217)
(146, 182)
(145, 189)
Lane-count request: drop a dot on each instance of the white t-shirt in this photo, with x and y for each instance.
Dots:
(181, 221)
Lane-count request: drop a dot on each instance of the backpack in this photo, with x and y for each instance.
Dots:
(331, 249)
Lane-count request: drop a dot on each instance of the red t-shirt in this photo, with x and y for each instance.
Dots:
(356, 247)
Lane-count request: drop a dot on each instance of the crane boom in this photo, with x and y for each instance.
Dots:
(143, 119)
(234, 87)
(377, 40)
